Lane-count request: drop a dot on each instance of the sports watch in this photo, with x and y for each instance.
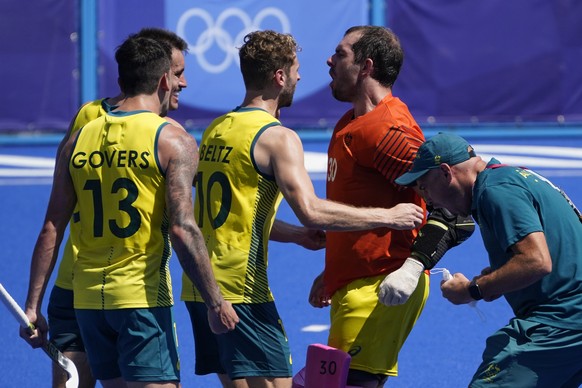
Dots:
(474, 290)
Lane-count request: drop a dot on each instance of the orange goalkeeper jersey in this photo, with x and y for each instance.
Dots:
(366, 154)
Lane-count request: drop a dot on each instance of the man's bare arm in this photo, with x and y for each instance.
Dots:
(284, 232)
(530, 262)
(60, 207)
(279, 152)
(178, 155)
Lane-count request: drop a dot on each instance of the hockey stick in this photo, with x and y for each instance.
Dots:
(50, 349)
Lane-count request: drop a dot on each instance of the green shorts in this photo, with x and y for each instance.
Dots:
(531, 354)
(258, 347)
(136, 344)
(64, 330)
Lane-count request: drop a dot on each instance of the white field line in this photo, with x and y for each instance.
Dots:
(535, 157)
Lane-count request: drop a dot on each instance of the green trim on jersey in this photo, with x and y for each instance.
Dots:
(270, 177)
(122, 233)
(235, 206)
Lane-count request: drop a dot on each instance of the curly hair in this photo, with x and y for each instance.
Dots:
(263, 53)
(382, 46)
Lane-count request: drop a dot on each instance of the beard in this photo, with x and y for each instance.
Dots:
(342, 94)
(338, 96)
(286, 97)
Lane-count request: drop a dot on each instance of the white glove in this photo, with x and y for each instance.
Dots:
(397, 286)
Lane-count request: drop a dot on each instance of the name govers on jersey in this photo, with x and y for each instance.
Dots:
(113, 158)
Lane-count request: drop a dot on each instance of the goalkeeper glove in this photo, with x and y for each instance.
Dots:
(397, 286)
(441, 232)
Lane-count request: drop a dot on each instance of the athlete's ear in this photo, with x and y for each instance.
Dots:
(368, 67)
(279, 77)
(446, 171)
(164, 83)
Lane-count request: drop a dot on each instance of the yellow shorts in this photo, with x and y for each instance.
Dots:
(369, 331)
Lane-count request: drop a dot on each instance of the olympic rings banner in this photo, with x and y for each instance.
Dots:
(215, 30)
(466, 61)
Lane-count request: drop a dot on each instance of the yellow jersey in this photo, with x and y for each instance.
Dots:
(88, 112)
(121, 230)
(235, 207)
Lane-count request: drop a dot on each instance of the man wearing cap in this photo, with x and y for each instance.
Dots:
(533, 236)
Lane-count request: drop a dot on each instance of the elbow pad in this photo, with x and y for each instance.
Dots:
(441, 232)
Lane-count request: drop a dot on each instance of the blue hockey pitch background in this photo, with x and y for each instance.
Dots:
(443, 349)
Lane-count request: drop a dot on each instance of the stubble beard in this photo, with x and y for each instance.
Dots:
(286, 98)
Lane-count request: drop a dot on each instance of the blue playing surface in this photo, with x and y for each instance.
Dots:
(443, 350)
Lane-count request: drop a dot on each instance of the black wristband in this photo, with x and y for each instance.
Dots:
(474, 290)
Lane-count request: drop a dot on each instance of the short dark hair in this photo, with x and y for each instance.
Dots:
(263, 53)
(383, 47)
(163, 35)
(141, 62)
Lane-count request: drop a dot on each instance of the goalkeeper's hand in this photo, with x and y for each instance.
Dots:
(397, 286)
(441, 232)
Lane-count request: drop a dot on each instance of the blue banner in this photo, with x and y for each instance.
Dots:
(472, 61)
(215, 30)
(465, 62)
(38, 68)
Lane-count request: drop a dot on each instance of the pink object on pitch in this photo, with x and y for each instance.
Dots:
(325, 367)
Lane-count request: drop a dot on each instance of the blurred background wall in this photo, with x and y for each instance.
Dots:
(494, 62)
